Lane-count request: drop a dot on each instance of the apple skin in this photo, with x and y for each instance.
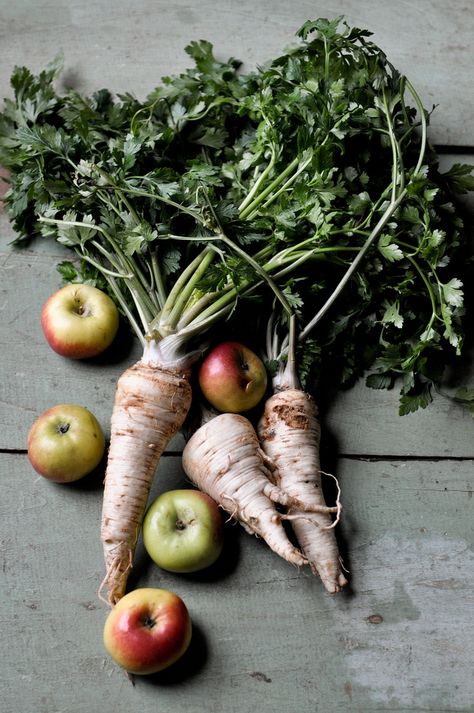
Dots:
(65, 443)
(147, 630)
(79, 321)
(232, 377)
(183, 531)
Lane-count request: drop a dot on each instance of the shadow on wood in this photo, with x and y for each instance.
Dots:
(188, 666)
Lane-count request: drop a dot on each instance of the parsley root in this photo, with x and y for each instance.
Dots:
(224, 459)
(289, 433)
(151, 404)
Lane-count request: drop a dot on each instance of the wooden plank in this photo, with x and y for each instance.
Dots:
(266, 636)
(129, 48)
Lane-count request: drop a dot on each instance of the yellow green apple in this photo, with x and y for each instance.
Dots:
(65, 443)
(183, 531)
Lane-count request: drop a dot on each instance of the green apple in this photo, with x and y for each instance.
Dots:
(183, 531)
(79, 321)
(232, 377)
(147, 630)
(65, 443)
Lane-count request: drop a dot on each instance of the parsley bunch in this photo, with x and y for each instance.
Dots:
(308, 183)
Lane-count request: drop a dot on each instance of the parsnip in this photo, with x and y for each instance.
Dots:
(289, 433)
(151, 403)
(224, 459)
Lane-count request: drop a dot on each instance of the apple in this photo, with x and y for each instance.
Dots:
(79, 321)
(65, 443)
(232, 377)
(183, 531)
(147, 630)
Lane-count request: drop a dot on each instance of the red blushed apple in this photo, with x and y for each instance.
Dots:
(79, 321)
(232, 377)
(147, 630)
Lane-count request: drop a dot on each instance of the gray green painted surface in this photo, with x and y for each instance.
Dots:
(266, 636)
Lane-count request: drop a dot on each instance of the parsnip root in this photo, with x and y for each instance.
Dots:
(151, 403)
(289, 433)
(224, 459)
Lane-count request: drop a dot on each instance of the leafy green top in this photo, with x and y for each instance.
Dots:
(307, 179)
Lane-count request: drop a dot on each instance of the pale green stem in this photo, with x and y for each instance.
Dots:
(289, 378)
(180, 285)
(260, 271)
(266, 192)
(159, 285)
(354, 265)
(167, 201)
(392, 207)
(187, 290)
(126, 310)
(101, 268)
(258, 183)
(191, 312)
(123, 261)
(137, 290)
(284, 187)
(428, 288)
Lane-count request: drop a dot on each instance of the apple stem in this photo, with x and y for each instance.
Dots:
(148, 622)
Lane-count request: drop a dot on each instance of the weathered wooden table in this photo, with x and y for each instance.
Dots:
(266, 635)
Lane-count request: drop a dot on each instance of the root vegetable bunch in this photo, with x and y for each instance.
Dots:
(306, 183)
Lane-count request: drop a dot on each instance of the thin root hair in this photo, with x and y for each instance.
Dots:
(338, 499)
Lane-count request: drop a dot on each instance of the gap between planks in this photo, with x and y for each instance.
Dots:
(363, 457)
(369, 458)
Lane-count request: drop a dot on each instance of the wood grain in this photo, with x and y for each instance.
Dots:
(266, 634)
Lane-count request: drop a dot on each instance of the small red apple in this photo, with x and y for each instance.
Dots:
(232, 377)
(65, 443)
(147, 630)
(79, 321)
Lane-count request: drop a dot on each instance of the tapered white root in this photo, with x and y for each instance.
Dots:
(150, 406)
(289, 433)
(223, 458)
